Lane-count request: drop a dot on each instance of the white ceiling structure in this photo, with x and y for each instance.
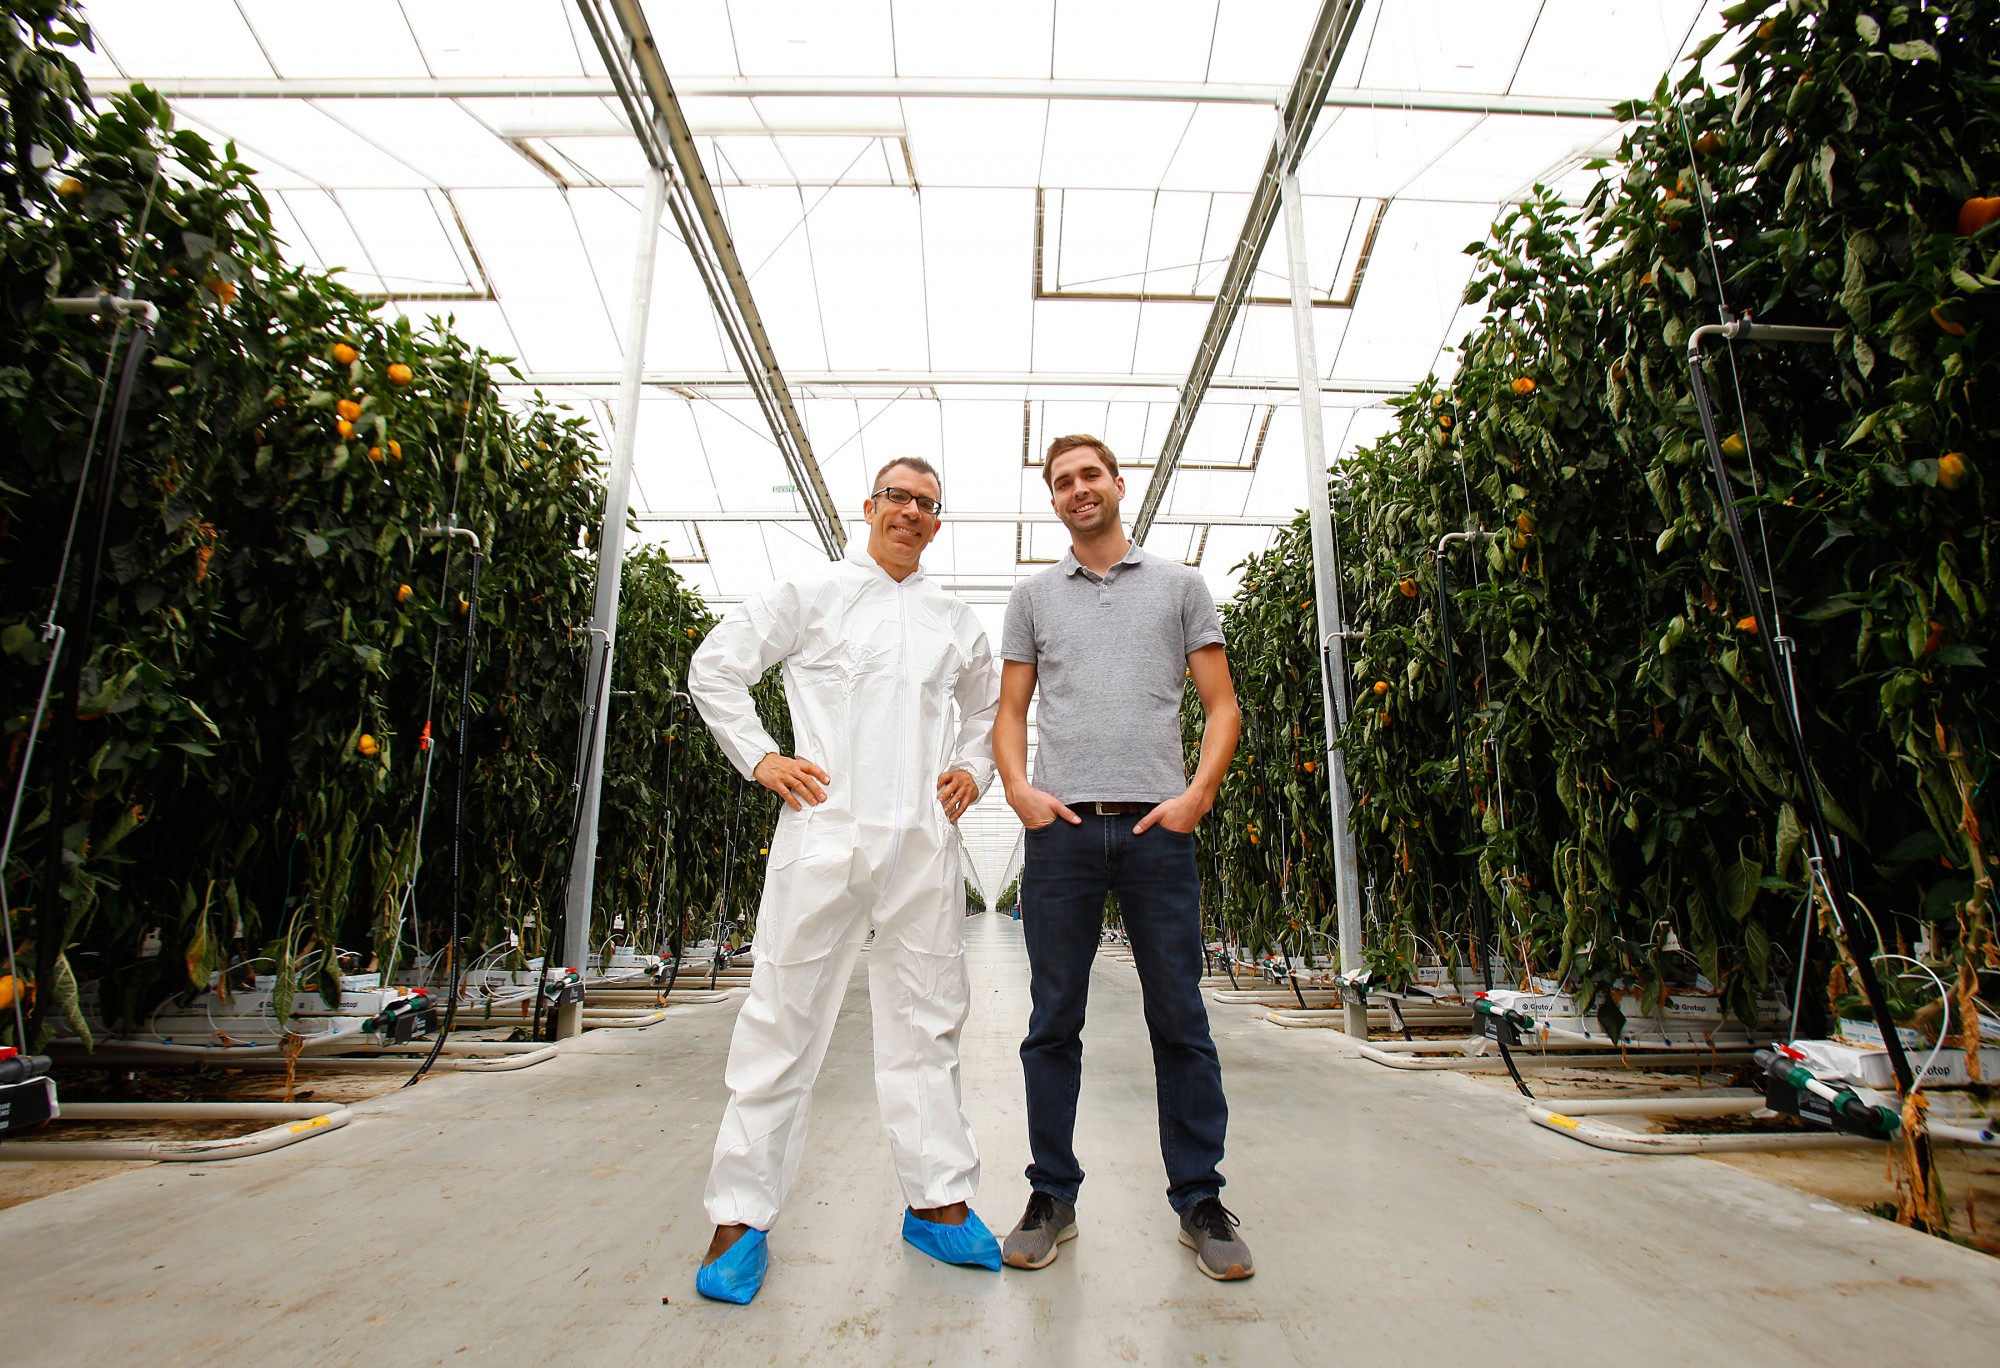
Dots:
(968, 229)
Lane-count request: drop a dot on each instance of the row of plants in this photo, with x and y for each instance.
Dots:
(1625, 812)
(270, 706)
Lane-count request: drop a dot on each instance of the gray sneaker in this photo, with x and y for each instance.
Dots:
(1209, 1229)
(1046, 1223)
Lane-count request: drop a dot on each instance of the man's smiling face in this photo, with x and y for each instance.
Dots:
(898, 533)
(1083, 491)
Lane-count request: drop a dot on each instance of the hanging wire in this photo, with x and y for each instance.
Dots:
(407, 906)
(459, 766)
(136, 246)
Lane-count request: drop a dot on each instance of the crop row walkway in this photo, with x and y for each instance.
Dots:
(541, 1216)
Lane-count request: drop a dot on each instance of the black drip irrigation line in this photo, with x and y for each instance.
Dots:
(557, 928)
(1784, 689)
(1825, 862)
(1507, 1058)
(1229, 941)
(1284, 892)
(728, 882)
(666, 864)
(457, 827)
(51, 931)
(1479, 926)
(679, 936)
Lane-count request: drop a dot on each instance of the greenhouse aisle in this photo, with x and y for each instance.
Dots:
(541, 1216)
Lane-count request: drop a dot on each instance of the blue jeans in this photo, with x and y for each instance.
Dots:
(1068, 870)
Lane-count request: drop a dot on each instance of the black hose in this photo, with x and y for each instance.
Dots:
(1479, 928)
(51, 931)
(557, 927)
(457, 833)
(1789, 714)
(1229, 938)
(728, 881)
(1507, 1058)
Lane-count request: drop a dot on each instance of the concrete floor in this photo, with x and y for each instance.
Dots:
(541, 1216)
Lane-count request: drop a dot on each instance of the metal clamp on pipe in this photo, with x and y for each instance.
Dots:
(1477, 534)
(1792, 1089)
(109, 303)
(1745, 330)
(1502, 1024)
(565, 986)
(27, 1093)
(449, 530)
(405, 1019)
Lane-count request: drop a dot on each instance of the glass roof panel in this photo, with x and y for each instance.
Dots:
(412, 242)
(1104, 43)
(299, 137)
(193, 38)
(295, 37)
(694, 35)
(1259, 41)
(1077, 335)
(501, 38)
(962, 142)
(586, 161)
(1377, 152)
(1167, 337)
(774, 37)
(1223, 147)
(973, 40)
(1443, 45)
(329, 235)
(444, 143)
(1503, 158)
(1145, 137)
(1613, 50)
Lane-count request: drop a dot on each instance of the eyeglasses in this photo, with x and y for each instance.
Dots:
(899, 497)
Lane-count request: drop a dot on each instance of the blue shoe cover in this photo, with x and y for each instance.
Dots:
(971, 1244)
(736, 1276)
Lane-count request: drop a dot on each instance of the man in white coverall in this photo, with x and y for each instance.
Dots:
(892, 688)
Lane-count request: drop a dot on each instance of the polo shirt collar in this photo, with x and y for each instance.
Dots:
(1069, 564)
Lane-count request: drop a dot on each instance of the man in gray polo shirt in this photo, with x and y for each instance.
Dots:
(1111, 634)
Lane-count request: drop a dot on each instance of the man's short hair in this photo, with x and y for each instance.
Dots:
(916, 463)
(1071, 443)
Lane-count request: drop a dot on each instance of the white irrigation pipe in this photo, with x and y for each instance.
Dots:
(1448, 1015)
(476, 1056)
(1320, 997)
(498, 1056)
(653, 997)
(1472, 1056)
(620, 1019)
(1575, 1117)
(296, 1121)
(123, 1047)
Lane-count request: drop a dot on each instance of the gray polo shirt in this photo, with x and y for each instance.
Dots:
(1110, 658)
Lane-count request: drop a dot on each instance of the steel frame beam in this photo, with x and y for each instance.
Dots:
(857, 87)
(649, 101)
(1331, 32)
(898, 380)
(786, 515)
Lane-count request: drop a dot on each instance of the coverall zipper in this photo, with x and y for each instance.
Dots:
(902, 726)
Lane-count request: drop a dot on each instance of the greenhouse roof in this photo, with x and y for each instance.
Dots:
(967, 229)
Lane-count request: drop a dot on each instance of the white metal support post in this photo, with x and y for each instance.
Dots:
(604, 618)
(1326, 601)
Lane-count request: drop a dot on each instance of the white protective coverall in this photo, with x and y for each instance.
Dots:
(890, 684)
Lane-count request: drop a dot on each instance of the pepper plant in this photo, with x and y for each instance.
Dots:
(1625, 815)
(271, 704)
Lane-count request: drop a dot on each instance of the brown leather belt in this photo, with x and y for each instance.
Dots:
(1111, 809)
